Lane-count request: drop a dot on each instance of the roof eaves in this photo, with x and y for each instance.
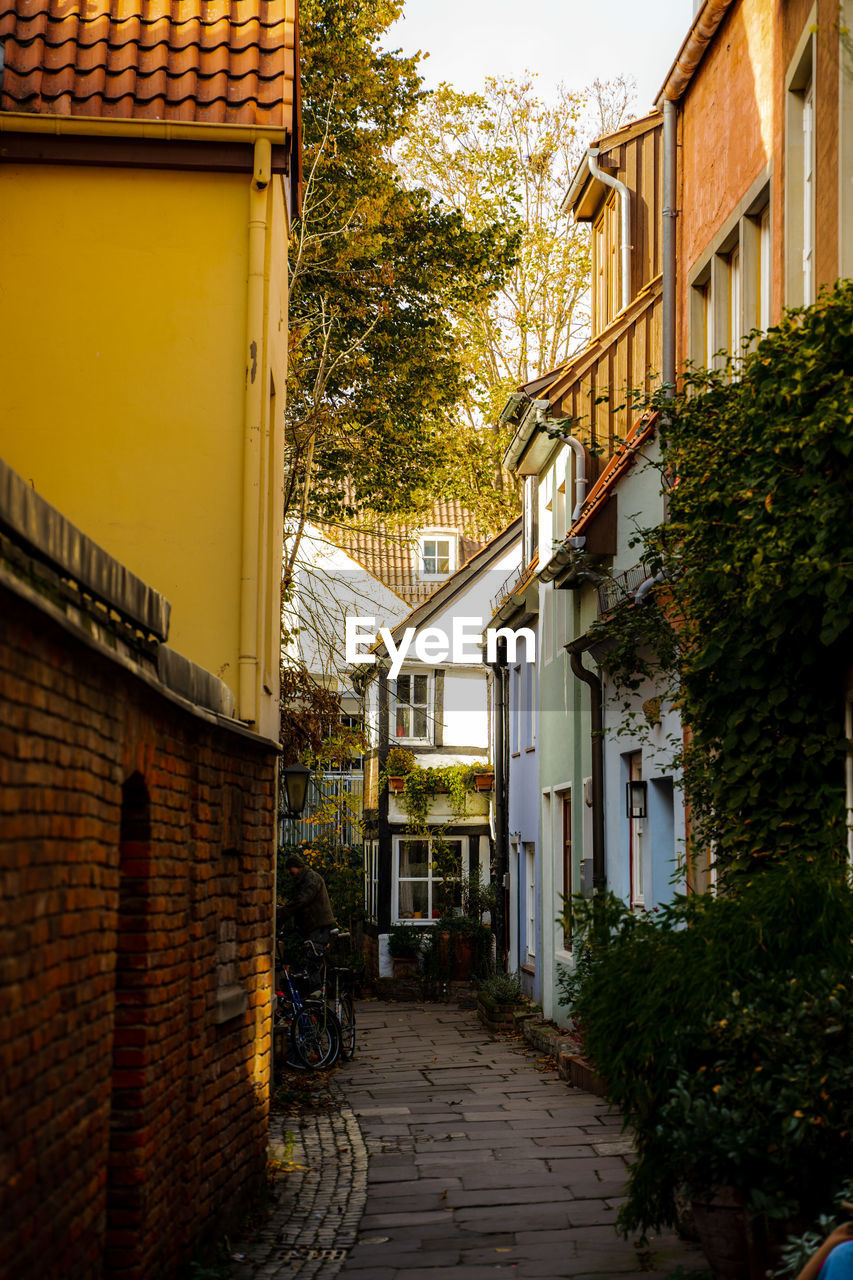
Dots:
(702, 31)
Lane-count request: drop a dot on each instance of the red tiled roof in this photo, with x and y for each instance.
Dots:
(198, 61)
(389, 552)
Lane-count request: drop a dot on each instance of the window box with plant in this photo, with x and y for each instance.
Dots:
(498, 997)
(398, 764)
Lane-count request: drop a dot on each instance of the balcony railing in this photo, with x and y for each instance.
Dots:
(615, 591)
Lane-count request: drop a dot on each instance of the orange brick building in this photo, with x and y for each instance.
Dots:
(762, 95)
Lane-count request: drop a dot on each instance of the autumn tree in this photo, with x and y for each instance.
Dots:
(380, 276)
(506, 155)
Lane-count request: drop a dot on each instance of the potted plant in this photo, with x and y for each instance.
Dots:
(484, 777)
(399, 764)
(404, 946)
(498, 996)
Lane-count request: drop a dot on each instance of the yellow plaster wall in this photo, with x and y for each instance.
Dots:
(122, 401)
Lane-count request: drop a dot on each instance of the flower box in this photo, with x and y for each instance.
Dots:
(397, 784)
(484, 781)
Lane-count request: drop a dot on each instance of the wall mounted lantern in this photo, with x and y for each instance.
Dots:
(637, 795)
(296, 789)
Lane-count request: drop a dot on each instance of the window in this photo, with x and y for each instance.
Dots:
(606, 234)
(730, 290)
(530, 899)
(411, 708)
(530, 519)
(437, 555)
(808, 193)
(418, 883)
(529, 705)
(636, 828)
(566, 886)
(800, 173)
(515, 712)
(734, 309)
(371, 878)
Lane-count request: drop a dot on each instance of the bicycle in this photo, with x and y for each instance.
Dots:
(341, 999)
(312, 1031)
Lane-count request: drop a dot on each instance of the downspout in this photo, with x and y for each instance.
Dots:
(252, 421)
(625, 211)
(670, 213)
(499, 669)
(574, 649)
(580, 459)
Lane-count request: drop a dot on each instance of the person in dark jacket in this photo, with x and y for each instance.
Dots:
(307, 904)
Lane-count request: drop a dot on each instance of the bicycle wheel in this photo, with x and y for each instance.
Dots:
(346, 1017)
(316, 1035)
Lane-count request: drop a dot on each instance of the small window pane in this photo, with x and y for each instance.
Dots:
(414, 858)
(403, 721)
(420, 695)
(413, 899)
(419, 723)
(403, 691)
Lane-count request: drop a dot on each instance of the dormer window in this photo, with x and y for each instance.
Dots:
(437, 553)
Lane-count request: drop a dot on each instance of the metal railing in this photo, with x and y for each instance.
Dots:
(615, 591)
(334, 808)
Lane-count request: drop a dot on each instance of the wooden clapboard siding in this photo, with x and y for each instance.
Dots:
(624, 357)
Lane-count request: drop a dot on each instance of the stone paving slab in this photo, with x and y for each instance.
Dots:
(452, 1157)
(528, 1172)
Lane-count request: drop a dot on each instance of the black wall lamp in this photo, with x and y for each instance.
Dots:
(637, 796)
(295, 789)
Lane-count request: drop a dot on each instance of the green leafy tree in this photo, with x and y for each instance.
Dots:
(378, 271)
(756, 617)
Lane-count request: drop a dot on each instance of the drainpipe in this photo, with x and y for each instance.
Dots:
(625, 210)
(574, 649)
(499, 669)
(252, 420)
(580, 459)
(670, 213)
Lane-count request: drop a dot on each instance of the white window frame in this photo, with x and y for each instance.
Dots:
(393, 736)
(729, 287)
(449, 536)
(800, 157)
(637, 839)
(529, 848)
(430, 879)
(371, 879)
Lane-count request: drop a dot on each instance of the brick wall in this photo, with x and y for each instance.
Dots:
(136, 885)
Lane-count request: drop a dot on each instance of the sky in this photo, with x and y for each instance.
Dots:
(575, 41)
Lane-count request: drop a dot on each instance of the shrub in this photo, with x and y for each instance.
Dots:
(724, 1029)
(399, 762)
(504, 988)
(404, 941)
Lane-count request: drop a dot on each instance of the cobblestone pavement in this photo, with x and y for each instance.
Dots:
(453, 1156)
(320, 1204)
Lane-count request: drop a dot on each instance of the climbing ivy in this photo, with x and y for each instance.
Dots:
(754, 617)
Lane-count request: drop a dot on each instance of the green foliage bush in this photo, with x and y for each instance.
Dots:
(755, 620)
(504, 988)
(723, 1027)
(405, 941)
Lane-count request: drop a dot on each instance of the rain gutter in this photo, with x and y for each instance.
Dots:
(253, 413)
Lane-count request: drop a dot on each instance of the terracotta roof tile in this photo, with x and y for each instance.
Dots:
(210, 61)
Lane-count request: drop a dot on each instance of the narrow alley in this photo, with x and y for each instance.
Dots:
(478, 1164)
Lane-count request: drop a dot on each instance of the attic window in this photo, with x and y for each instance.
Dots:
(437, 555)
